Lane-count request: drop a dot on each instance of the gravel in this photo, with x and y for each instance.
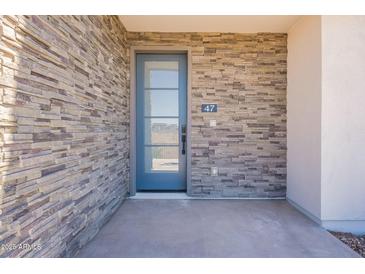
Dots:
(357, 243)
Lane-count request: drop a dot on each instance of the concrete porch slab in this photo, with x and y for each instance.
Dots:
(212, 228)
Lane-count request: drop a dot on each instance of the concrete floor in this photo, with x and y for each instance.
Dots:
(212, 228)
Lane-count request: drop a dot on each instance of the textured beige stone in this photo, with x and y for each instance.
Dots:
(64, 139)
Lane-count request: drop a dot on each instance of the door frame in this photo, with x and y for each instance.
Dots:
(134, 50)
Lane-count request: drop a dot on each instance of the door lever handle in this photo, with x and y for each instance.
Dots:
(183, 138)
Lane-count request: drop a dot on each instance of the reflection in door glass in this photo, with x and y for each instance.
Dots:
(159, 158)
(161, 74)
(161, 131)
(161, 103)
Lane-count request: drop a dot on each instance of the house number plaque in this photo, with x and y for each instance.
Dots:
(209, 107)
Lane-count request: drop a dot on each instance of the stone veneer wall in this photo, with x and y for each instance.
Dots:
(245, 74)
(64, 130)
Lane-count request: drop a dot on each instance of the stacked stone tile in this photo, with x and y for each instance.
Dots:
(64, 131)
(245, 74)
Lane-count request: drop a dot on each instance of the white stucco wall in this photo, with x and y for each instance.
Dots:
(343, 120)
(326, 120)
(304, 115)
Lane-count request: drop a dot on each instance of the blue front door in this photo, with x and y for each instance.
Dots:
(161, 122)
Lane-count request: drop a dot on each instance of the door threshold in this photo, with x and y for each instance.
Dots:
(160, 196)
(184, 196)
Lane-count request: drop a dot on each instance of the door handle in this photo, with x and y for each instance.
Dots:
(183, 138)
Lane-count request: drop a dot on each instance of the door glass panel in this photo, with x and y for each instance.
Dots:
(161, 74)
(161, 131)
(159, 158)
(161, 103)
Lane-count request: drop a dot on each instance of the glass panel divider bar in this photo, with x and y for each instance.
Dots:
(161, 117)
(161, 145)
(173, 89)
